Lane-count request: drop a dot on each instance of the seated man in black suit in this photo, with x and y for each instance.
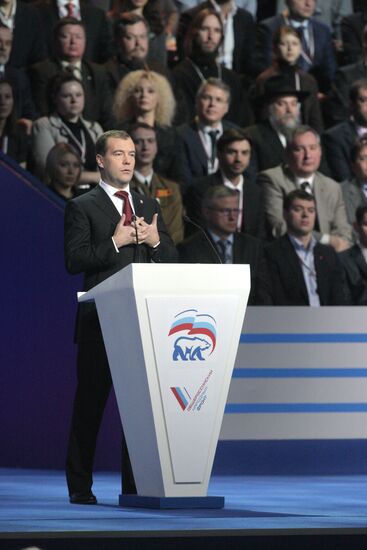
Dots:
(338, 104)
(93, 18)
(354, 260)
(352, 31)
(18, 79)
(69, 45)
(198, 140)
(355, 189)
(303, 271)
(222, 243)
(317, 46)
(338, 141)
(236, 51)
(203, 40)
(234, 154)
(101, 237)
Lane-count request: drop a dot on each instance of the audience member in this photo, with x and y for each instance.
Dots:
(317, 50)
(146, 96)
(198, 140)
(338, 141)
(301, 172)
(99, 37)
(222, 243)
(150, 10)
(234, 153)
(28, 34)
(287, 48)
(203, 39)
(282, 106)
(63, 169)
(354, 260)
(147, 182)
(338, 104)
(14, 140)
(302, 271)
(18, 79)
(67, 125)
(69, 47)
(236, 50)
(355, 189)
(352, 30)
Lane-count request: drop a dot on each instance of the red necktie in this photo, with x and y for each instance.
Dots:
(126, 209)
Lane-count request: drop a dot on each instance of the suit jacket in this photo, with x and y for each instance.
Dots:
(189, 81)
(355, 268)
(267, 150)
(168, 195)
(246, 250)
(352, 31)
(98, 31)
(353, 197)
(337, 106)
(324, 63)
(22, 92)
(28, 37)
(192, 157)
(90, 222)
(47, 131)
(337, 143)
(98, 92)
(252, 207)
(278, 182)
(287, 281)
(244, 30)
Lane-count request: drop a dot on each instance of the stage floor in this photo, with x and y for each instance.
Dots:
(33, 501)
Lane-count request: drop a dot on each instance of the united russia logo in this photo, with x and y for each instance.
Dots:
(196, 335)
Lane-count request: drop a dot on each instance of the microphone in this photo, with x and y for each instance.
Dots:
(137, 249)
(189, 220)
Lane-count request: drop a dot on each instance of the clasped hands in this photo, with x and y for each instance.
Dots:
(144, 232)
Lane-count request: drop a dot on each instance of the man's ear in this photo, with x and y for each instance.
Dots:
(99, 160)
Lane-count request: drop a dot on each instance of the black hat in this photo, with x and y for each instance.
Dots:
(281, 85)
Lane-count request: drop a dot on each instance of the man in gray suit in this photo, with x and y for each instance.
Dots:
(303, 157)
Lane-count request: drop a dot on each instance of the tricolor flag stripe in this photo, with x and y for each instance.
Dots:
(178, 328)
(180, 398)
(207, 333)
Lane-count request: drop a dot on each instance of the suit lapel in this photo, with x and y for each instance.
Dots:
(103, 202)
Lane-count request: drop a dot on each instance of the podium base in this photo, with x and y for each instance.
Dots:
(166, 503)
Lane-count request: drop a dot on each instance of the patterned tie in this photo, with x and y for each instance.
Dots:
(305, 186)
(222, 248)
(213, 138)
(126, 209)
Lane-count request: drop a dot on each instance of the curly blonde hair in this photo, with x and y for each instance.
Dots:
(123, 105)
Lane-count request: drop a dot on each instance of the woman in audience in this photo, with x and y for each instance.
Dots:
(146, 96)
(287, 49)
(14, 140)
(63, 169)
(66, 125)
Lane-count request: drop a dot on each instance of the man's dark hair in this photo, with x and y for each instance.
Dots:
(360, 212)
(355, 88)
(357, 147)
(126, 19)
(294, 195)
(66, 21)
(136, 125)
(231, 135)
(101, 143)
(195, 26)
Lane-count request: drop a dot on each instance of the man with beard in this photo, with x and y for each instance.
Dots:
(236, 51)
(234, 154)
(339, 140)
(269, 137)
(202, 42)
(303, 157)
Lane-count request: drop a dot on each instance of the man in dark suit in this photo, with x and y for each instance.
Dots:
(317, 50)
(355, 190)
(28, 35)
(237, 21)
(99, 44)
(69, 46)
(222, 243)
(100, 239)
(338, 141)
(352, 31)
(302, 271)
(354, 260)
(198, 140)
(234, 153)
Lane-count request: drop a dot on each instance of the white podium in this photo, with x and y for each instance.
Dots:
(171, 333)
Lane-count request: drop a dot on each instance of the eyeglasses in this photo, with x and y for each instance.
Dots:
(227, 211)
